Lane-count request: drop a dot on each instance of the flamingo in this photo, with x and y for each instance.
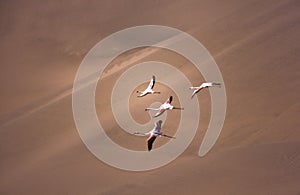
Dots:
(149, 89)
(165, 106)
(153, 134)
(204, 85)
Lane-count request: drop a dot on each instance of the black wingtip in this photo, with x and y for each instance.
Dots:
(150, 143)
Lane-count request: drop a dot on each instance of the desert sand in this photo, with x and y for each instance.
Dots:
(255, 44)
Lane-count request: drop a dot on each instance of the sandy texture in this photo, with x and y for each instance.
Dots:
(254, 42)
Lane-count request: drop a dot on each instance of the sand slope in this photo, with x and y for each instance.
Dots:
(256, 45)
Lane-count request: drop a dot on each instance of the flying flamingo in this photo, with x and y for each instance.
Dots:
(153, 134)
(149, 89)
(204, 85)
(165, 106)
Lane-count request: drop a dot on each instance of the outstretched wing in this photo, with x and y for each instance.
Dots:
(169, 100)
(150, 142)
(210, 84)
(203, 85)
(194, 93)
(157, 125)
(160, 112)
(152, 82)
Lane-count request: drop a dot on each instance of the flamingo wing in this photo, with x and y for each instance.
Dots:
(160, 112)
(143, 93)
(169, 100)
(157, 124)
(150, 142)
(194, 93)
(209, 84)
(151, 84)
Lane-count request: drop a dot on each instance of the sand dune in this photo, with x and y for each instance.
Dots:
(255, 44)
